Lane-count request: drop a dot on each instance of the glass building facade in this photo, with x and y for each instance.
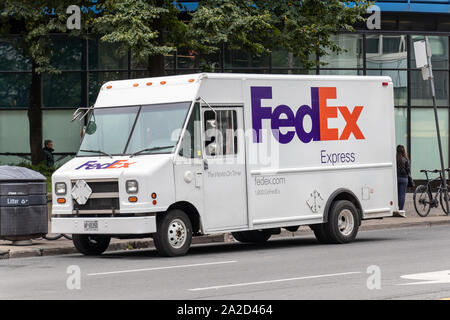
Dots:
(86, 64)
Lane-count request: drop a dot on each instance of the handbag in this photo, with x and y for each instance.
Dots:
(411, 183)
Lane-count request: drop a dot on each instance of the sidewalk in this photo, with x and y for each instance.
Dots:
(62, 246)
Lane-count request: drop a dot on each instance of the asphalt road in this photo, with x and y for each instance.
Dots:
(411, 263)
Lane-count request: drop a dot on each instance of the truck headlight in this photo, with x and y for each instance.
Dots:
(60, 188)
(132, 186)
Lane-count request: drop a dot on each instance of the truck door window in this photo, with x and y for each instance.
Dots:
(191, 144)
(221, 140)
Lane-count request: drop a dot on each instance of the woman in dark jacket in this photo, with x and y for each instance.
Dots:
(403, 171)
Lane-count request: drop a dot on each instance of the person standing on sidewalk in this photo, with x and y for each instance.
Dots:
(48, 153)
(403, 171)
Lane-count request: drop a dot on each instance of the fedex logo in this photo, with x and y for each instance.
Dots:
(319, 112)
(113, 165)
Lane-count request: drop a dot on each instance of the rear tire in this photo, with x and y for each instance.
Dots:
(422, 201)
(342, 226)
(174, 233)
(254, 236)
(91, 244)
(443, 202)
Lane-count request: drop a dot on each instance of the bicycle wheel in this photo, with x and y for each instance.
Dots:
(422, 201)
(443, 202)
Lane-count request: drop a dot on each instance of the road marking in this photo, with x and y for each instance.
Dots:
(273, 281)
(162, 268)
(435, 277)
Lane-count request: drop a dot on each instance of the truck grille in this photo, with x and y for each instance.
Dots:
(103, 200)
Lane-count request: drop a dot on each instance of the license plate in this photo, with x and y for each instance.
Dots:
(91, 226)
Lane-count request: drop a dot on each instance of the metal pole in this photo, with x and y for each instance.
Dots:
(438, 132)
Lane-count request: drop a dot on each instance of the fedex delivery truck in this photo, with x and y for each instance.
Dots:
(181, 156)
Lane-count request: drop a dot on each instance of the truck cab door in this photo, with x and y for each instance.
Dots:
(224, 170)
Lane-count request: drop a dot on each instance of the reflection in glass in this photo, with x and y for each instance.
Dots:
(386, 52)
(351, 57)
(421, 91)
(14, 90)
(400, 81)
(401, 126)
(424, 146)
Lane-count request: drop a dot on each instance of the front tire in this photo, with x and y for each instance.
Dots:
(91, 244)
(174, 233)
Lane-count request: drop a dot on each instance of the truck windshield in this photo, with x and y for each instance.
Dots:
(128, 130)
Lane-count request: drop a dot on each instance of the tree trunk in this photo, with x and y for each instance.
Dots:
(156, 66)
(35, 117)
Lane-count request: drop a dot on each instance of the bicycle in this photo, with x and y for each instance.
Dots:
(423, 196)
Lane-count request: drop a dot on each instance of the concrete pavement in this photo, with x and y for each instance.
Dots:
(42, 247)
(405, 263)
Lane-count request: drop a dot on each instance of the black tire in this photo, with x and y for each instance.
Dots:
(343, 223)
(422, 201)
(174, 233)
(443, 202)
(91, 244)
(254, 236)
(320, 233)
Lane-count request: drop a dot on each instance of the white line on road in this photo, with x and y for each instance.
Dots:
(162, 268)
(274, 281)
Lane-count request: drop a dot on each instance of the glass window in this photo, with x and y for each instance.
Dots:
(239, 59)
(62, 90)
(14, 131)
(66, 53)
(11, 59)
(401, 132)
(97, 79)
(191, 144)
(341, 72)
(281, 58)
(106, 56)
(439, 50)
(57, 126)
(158, 127)
(221, 138)
(421, 92)
(351, 57)
(15, 90)
(400, 80)
(386, 52)
(108, 130)
(424, 146)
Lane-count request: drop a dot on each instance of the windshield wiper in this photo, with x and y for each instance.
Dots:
(98, 151)
(150, 149)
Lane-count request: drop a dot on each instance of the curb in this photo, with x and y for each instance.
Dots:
(220, 238)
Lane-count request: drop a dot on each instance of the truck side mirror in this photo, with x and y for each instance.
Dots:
(211, 127)
(91, 127)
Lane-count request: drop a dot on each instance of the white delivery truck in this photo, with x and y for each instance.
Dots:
(180, 156)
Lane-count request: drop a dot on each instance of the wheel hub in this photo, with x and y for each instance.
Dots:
(177, 233)
(346, 222)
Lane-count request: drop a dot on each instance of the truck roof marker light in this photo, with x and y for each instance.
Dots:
(109, 87)
(136, 85)
(61, 200)
(191, 80)
(149, 84)
(385, 84)
(132, 199)
(163, 82)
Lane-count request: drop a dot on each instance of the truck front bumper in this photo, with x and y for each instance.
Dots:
(128, 225)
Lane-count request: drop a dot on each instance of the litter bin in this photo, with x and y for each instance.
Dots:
(23, 204)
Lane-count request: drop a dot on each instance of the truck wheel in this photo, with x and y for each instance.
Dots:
(91, 244)
(254, 236)
(343, 222)
(174, 233)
